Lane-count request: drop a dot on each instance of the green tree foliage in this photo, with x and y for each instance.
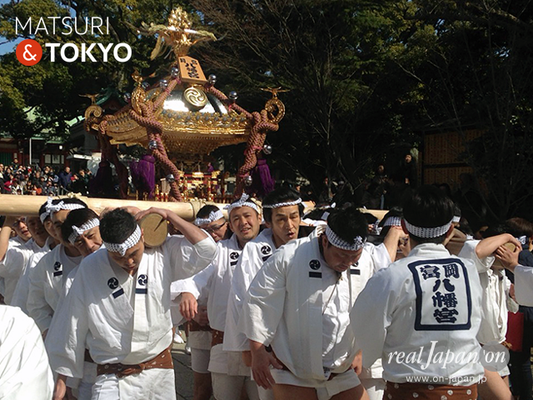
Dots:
(478, 74)
(339, 59)
(363, 75)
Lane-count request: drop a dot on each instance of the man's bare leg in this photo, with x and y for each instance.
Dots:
(494, 388)
(202, 386)
(356, 393)
(291, 392)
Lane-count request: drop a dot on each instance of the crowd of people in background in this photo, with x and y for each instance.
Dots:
(42, 181)
(382, 190)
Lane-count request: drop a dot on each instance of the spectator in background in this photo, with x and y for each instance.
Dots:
(51, 188)
(16, 187)
(409, 171)
(35, 177)
(326, 193)
(78, 184)
(64, 178)
(8, 181)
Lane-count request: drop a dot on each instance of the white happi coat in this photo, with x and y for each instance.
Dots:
(24, 370)
(47, 280)
(119, 317)
(523, 285)
(496, 297)
(254, 254)
(22, 290)
(300, 306)
(215, 280)
(421, 306)
(12, 266)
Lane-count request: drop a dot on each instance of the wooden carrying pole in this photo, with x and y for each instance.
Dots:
(29, 205)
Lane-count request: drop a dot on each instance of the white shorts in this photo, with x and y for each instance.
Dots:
(200, 340)
(200, 360)
(227, 362)
(375, 387)
(229, 387)
(504, 372)
(325, 390)
(150, 384)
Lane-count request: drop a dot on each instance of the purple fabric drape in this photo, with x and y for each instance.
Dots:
(262, 181)
(143, 175)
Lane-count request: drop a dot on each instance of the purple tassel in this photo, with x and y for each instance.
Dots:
(143, 175)
(262, 183)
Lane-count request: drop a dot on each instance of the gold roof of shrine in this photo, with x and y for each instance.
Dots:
(185, 133)
(194, 117)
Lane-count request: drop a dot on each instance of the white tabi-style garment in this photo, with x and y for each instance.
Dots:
(418, 309)
(495, 302)
(24, 370)
(124, 319)
(22, 290)
(47, 279)
(216, 281)
(300, 306)
(12, 266)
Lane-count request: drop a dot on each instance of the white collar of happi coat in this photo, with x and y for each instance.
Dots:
(17, 241)
(233, 250)
(264, 244)
(231, 244)
(142, 278)
(48, 244)
(430, 250)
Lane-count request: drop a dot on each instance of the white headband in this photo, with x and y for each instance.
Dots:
(393, 221)
(456, 219)
(46, 212)
(128, 243)
(376, 229)
(44, 215)
(358, 241)
(242, 203)
(523, 240)
(82, 229)
(288, 203)
(213, 216)
(52, 208)
(427, 233)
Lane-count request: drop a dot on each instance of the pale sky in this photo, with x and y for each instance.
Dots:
(8, 47)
